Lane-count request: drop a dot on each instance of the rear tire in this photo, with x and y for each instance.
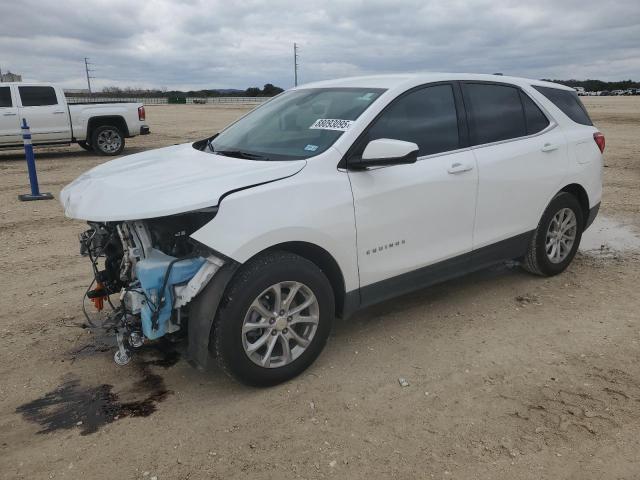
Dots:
(259, 338)
(557, 238)
(107, 140)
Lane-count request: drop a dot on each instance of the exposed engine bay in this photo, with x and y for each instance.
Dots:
(154, 268)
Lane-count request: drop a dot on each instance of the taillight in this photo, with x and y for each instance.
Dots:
(599, 138)
(141, 114)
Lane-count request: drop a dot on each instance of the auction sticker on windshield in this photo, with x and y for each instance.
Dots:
(331, 124)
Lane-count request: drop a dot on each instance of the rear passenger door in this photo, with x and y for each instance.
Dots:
(9, 121)
(411, 218)
(521, 157)
(46, 113)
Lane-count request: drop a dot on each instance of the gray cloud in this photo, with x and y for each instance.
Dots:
(212, 44)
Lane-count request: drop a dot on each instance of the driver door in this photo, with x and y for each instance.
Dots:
(415, 222)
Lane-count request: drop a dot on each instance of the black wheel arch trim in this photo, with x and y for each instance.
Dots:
(202, 312)
(205, 305)
(117, 121)
(593, 213)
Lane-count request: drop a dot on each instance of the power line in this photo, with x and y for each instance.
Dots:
(88, 71)
(295, 64)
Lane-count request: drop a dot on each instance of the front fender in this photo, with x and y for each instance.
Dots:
(202, 313)
(310, 207)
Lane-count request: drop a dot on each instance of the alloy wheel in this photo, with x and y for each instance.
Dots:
(280, 324)
(561, 235)
(109, 141)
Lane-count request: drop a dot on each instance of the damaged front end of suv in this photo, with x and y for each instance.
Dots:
(143, 212)
(154, 269)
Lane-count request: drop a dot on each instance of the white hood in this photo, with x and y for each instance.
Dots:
(164, 182)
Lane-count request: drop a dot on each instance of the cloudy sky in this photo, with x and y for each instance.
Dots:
(236, 44)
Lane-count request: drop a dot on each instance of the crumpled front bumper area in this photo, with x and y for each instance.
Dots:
(154, 288)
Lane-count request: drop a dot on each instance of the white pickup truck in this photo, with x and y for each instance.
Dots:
(101, 127)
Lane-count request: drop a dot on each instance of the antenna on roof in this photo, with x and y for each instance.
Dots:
(498, 73)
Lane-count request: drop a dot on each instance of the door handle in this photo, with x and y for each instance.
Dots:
(549, 147)
(9, 114)
(58, 112)
(458, 167)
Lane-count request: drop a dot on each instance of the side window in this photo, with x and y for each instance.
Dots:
(568, 102)
(495, 112)
(536, 120)
(426, 117)
(5, 97)
(37, 96)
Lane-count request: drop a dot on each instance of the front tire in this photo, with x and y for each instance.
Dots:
(107, 140)
(557, 238)
(274, 319)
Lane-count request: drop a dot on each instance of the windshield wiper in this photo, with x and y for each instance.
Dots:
(241, 154)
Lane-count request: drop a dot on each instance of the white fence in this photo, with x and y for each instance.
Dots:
(228, 100)
(165, 101)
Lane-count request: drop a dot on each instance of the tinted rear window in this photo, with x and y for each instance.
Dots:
(568, 102)
(536, 120)
(5, 97)
(495, 112)
(37, 96)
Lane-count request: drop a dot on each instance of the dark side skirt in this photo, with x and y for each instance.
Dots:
(509, 249)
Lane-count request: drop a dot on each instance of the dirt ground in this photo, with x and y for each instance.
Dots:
(510, 376)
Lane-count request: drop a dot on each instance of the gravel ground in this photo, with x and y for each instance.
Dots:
(508, 376)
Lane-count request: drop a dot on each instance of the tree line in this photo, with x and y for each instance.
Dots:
(269, 90)
(598, 85)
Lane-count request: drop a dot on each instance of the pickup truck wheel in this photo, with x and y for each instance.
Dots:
(556, 240)
(107, 140)
(274, 320)
(86, 146)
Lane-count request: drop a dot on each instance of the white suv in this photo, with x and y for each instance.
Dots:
(329, 198)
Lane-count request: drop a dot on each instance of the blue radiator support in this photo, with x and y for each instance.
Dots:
(151, 272)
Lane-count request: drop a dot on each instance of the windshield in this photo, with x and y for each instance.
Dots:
(296, 124)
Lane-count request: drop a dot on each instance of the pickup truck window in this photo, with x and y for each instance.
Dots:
(37, 96)
(5, 97)
(295, 125)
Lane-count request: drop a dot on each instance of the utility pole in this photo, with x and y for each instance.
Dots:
(295, 64)
(88, 70)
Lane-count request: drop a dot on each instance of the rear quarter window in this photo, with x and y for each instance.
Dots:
(568, 102)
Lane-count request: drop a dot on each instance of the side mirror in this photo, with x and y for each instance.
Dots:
(386, 151)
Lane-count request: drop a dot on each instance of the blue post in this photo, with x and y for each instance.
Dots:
(31, 166)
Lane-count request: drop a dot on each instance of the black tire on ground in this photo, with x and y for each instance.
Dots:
(86, 146)
(536, 260)
(250, 281)
(107, 140)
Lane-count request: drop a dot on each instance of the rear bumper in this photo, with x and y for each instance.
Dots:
(144, 130)
(593, 213)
